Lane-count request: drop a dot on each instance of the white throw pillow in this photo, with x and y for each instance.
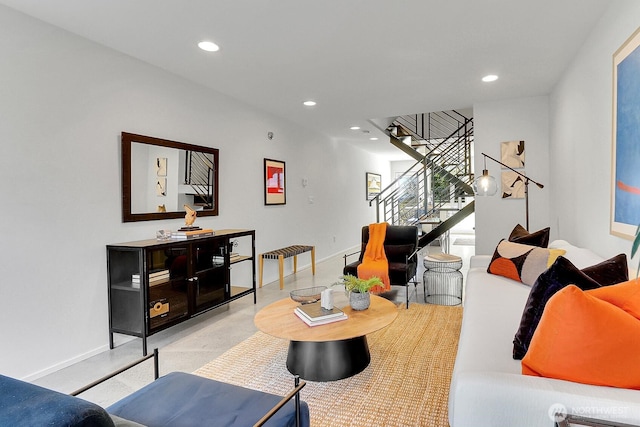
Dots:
(580, 257)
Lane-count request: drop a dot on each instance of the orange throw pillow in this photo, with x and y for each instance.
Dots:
(584, 339)
(625, 295)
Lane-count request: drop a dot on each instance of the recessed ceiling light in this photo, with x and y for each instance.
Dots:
(354, 127)
(309, 103)
(209, 46)
(373, 138)
(490, 78)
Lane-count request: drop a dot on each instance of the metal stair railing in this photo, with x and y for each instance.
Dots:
(446, 225)
(439, 178)
(459, 128)
(453, 157)
(424, 129)
(447, 148)
(409, 198)
(432, 125)
(400, 202)
(199, 175)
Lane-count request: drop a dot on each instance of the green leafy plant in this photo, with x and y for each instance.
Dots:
(355, 284)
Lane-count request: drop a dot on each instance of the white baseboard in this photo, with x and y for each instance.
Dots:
(65, 364)
(72, 361)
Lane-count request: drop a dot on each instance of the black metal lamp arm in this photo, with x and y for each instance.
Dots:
(512, 169)
(526, 185)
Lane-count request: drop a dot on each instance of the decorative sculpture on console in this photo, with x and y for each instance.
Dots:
(190, 216)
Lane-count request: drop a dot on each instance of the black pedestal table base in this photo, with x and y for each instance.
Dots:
(328, 360)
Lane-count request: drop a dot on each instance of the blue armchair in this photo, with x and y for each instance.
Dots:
(177, 400)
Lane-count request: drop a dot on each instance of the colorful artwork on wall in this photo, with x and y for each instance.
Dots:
(625, 179)
(274, 182)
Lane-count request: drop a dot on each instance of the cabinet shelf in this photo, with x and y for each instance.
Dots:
(125, 287)
(193, 287)
(240, 259)
(154, 284)
(210, 269)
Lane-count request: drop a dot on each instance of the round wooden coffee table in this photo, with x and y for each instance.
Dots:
(327, 352)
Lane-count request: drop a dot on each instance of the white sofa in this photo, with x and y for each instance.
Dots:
(487, 387)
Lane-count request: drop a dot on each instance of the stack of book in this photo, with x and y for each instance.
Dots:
(192, 234)
(314, 314)
(158, 277)
(135, 281)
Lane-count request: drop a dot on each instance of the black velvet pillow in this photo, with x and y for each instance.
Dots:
(537, 238)
(398, 253)
(609, 272)
(563, 273)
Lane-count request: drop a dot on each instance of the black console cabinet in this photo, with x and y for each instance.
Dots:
(157, 284)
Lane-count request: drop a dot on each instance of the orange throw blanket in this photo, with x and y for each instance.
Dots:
(374, 261)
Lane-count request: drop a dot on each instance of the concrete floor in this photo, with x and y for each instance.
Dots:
(190, 345)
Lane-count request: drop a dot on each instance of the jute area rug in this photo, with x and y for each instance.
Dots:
(406, 383)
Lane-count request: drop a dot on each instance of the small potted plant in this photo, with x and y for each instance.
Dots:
(358, 289)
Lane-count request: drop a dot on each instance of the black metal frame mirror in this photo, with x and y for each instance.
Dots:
(160, 176)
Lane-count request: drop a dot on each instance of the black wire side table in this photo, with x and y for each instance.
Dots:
(442, 279)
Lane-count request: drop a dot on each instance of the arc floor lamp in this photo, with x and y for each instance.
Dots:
(485, 185)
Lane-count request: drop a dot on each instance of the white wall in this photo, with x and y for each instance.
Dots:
(399, 167)
(63, 103)
(575, 161)
(581, 131)
(495, 122)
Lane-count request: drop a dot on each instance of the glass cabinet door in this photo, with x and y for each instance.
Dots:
(125, 296)
(168, 291)
(211, 268)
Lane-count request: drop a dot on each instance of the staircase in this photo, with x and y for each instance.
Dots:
(199, 175)
(437, 188)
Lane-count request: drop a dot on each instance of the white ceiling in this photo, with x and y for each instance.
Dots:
(359, 59)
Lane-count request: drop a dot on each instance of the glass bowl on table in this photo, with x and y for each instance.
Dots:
(307, 295)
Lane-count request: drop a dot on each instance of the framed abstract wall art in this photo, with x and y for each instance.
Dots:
(512, 154)
(374, 185)
(161, 187)
(275, 192)
(512, 185)
(625, 147)
(161, 166)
